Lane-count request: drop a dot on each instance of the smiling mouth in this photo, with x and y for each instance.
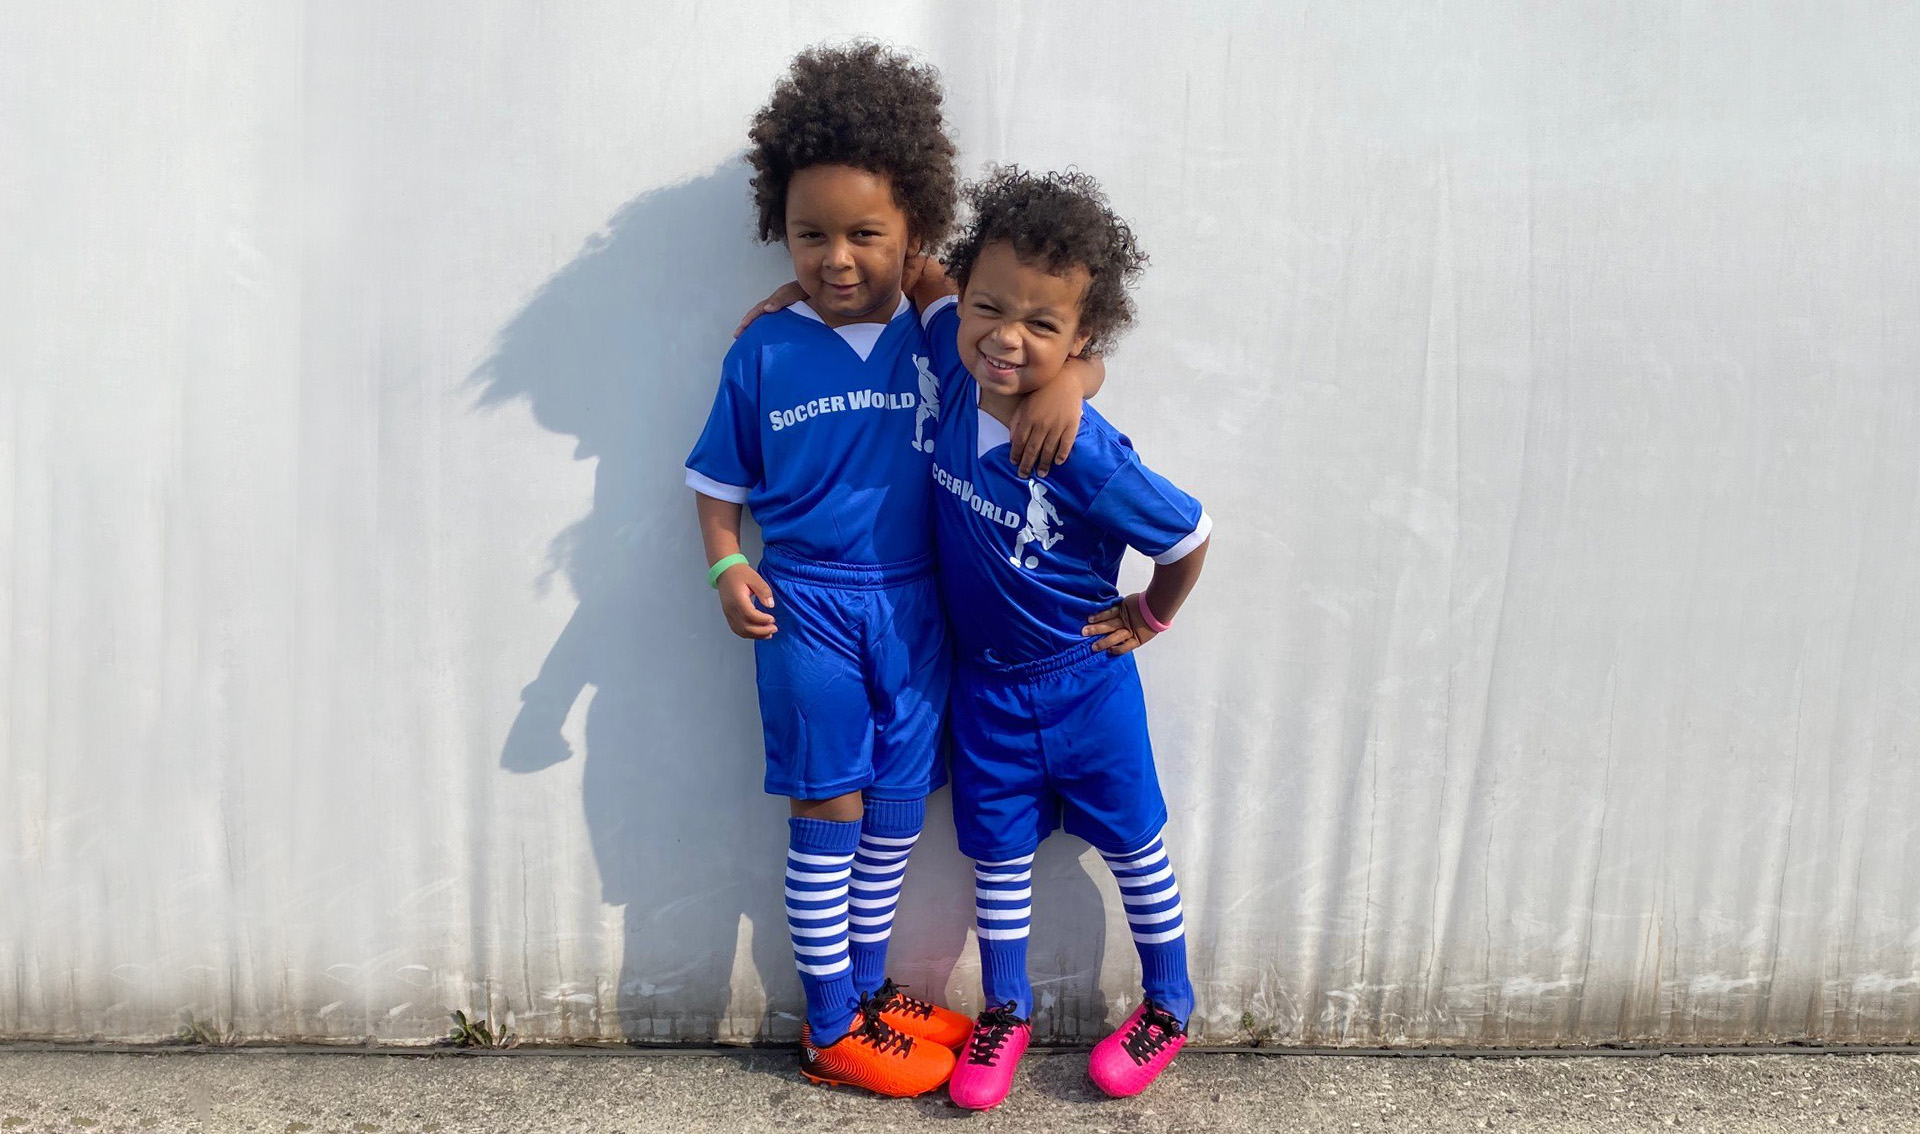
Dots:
(998, 368)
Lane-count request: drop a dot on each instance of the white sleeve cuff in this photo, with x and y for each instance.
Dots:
(1185, 547)
(707, 486)
(934, 308)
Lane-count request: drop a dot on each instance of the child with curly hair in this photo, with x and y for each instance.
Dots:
(823, 426)
(1049, 728)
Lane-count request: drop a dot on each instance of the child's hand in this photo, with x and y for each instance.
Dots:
(1043, 427)
(915, 269)
(925, 281)
(786, 295)
(739, 587)
(1120, 628)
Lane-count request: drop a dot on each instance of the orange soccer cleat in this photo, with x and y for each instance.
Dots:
(877, 1057)
(918, 1018)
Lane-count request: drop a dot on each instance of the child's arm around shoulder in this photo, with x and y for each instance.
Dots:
(1047, 421)
(783, 297)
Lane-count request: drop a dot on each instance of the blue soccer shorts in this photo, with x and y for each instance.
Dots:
(854, 683)
(1060, 742)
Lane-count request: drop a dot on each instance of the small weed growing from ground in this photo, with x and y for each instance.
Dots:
(1256, 1036)
(478, 1033)
(204, 1032)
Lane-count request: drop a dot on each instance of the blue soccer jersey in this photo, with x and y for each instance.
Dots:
(825, 435)
(1024, 563)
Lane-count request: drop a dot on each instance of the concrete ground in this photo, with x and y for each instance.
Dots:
(757, 1090)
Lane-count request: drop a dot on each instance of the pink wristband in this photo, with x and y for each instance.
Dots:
(1153, 624)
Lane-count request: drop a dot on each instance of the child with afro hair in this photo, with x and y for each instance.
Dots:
(1050, 727)
(823, 426)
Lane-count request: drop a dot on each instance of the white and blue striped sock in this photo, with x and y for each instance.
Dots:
(819, 863)
(1003, 917)
(888, 831)
(1151, 896)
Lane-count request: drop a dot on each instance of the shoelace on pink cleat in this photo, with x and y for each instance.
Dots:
(996, 1025)
(1155, 1029)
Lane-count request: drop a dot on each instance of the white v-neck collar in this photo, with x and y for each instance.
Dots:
(990, 434)
(862, 337)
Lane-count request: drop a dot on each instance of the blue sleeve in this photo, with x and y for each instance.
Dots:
(943, 344)
(1146, 510)
(727, 456)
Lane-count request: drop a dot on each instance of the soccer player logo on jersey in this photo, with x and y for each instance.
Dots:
(929, 405)
(1041, 516)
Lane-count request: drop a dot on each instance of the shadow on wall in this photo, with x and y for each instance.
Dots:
(621, 350)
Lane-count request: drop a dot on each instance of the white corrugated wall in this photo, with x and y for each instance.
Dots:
(1552, 371)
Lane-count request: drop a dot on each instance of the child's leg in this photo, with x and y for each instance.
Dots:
(1002, 810)
(1101, 759)
(819, 862)
(1151, 896)
(1003, 915)
(888, 830)
(1003, 912)
(908, 673)
(818, 724)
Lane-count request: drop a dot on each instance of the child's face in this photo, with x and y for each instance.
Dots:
(849, 243)
(1019, 323)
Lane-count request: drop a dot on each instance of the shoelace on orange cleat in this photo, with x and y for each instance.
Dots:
(893, 997)
(885, 1038)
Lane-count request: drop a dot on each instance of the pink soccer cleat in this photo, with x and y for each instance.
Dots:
(1128, 1061)
(983, 1076)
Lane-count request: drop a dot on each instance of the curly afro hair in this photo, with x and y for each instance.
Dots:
(1056, 221)
(867, 106)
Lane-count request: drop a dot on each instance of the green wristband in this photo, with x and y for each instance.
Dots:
(718, 569)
